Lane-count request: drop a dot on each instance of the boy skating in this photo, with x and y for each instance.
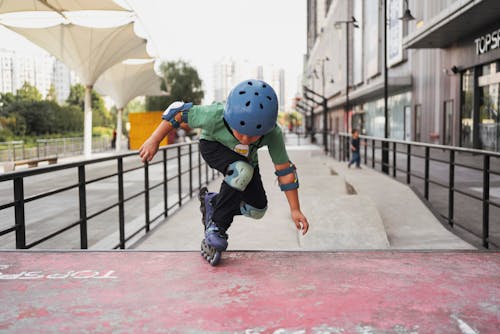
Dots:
(231, 135)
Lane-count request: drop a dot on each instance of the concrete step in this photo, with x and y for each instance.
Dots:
(344, 222)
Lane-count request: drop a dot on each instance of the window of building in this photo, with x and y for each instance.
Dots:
(418, 122)
(467, 109)
(489, 122)
(407, 121)
(448, 123)
(397, 105)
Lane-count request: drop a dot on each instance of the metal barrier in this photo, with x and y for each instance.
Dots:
(452, 170)
(91, 176)
(60, 147)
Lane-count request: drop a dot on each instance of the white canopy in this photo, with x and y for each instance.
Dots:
(125, 81)
(10, 6)
(88, 51)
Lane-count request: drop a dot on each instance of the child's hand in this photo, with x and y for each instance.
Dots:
(300, 221)
(148, 149)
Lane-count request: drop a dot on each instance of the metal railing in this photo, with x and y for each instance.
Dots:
(455, 181)
(102, 195)
(60, 147)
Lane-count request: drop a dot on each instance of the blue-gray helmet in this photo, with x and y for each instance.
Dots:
(252, 108)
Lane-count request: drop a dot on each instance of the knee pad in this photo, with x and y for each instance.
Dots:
(239, 174)
(252, 212)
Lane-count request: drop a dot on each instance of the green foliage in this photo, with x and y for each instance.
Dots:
(182, 82)
(136, 105)
(51, 94)
(26, 115)
(28, 92)
(100, 115)
(100, 131)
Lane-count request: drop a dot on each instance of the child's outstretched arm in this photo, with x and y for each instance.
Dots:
(150, 146)
(287, 178)
(173, 118)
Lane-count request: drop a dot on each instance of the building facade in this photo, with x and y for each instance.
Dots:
(40, 71)
(443, 69)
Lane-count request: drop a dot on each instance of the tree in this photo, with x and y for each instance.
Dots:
(100, 114)
(28, 92)
(51, 94)
(183, 82)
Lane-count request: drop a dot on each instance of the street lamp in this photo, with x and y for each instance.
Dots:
(337, 24)
(385, 145)
(407, 15)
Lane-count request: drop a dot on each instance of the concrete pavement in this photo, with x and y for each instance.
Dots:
(250, 292)
(348, 209)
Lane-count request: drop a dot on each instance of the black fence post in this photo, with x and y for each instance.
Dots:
(451, 189)
(365, 149)
(190, 171)
(121, 205)
(199, 167)
(165, 183)
(19, 213)
(179, 175)
(82, 195)
(146, 195)
(486, 200)
(408, 163)
(373, 153)
(426, 176)
(394, 147)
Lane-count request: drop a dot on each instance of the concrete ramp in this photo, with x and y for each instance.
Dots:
(344, 222)
(250, 292)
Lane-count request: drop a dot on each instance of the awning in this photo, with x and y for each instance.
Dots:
(462, 19)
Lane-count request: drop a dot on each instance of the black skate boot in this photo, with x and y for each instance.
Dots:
(215, 241)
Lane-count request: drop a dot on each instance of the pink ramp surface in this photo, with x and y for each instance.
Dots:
(250, 292)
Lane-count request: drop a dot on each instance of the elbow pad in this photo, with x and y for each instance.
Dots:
(290, 170)
(173, 109)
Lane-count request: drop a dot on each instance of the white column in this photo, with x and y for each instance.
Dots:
(87, 123)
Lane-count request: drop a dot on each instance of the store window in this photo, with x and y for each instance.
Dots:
(373, 120)
(467, 110)
(489, 122)
(407, 123)
(397, 105)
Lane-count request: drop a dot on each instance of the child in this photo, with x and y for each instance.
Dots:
(231, 135)
(356, 158)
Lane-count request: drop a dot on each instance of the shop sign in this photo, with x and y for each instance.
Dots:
(488, 42)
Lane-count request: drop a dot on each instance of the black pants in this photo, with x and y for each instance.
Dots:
(227, 202)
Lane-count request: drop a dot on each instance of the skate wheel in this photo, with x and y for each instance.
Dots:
(216, 258)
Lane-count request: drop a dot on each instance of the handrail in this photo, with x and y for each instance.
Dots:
(183, 154)
(402, 161)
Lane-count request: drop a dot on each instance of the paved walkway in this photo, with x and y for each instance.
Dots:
(354, 209)
(372, 292)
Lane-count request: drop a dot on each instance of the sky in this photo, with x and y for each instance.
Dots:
(201, 32)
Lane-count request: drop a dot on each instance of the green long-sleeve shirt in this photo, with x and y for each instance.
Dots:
(210, 119)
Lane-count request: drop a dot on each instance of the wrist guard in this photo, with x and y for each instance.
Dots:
(173, 109)
(292, 185)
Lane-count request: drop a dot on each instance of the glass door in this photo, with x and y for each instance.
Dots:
(489, 122)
